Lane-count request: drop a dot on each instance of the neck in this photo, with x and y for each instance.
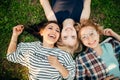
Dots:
(46, 45)
(98, 50)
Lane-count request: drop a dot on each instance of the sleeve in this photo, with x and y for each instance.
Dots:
(19, 56)
(70, 66)
(116, 47)
(80, 70)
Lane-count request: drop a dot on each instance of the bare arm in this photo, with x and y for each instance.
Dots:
(48, 10)
(110, 32)
(86, 10)
(17, 30)
(111, 77)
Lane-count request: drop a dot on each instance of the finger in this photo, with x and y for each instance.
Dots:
(19, 27)
(116, 78)
(107, 32)
(104, 32)
(50, 58)
(109, 77)
(22, 26)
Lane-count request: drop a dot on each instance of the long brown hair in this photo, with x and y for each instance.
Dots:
(36, 28)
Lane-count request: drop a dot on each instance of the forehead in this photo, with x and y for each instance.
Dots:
(86, 29)
(53, 25)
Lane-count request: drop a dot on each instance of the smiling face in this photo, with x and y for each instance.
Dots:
(89, 36)
(69, 36)
(50, 34)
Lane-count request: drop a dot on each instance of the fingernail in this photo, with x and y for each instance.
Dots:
(22, 26)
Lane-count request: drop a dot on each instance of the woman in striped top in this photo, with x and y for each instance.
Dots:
(39, 56)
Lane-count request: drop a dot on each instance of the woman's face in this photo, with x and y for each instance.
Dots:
(51, 33)
(89, 37)
(69, 36)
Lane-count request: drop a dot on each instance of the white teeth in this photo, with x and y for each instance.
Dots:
(52, 35)
(92, 43)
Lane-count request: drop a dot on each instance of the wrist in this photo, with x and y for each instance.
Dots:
(14, 35)
(15, 41)
(58, 67)
(14, 38)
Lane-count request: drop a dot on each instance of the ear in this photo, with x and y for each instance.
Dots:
(41, 32)
(59, 42)
(77, 26)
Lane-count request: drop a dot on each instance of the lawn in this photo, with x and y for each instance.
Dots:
(29, 12)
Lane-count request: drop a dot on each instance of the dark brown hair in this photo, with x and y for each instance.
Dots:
(36, 28)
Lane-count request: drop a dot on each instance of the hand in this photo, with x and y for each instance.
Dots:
(109, 32)
(53, 61)
(17, 30)
(111, 78)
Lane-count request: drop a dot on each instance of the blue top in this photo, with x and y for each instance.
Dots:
(90, 66)
(110, 60)
(67, 9)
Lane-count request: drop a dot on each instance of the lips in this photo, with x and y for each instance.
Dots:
(69, 28)
(92, 43)
(52, 36)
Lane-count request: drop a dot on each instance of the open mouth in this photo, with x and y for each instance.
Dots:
(52, 36)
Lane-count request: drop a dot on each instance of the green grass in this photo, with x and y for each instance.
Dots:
(28, 12)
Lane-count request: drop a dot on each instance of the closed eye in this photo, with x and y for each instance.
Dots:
(84, 37)
(91, 34)
(50, 28)
(73, 37)
(57, 30)
(65, 37)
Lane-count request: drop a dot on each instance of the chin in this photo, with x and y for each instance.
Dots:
(70, 45)
(91, 46)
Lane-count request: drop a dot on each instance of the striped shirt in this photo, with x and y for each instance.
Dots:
(89, 66)
(34, 56)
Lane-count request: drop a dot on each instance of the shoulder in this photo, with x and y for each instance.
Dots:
(59, 50)
(107, 45)
(62, 53)
(81, 55)
(85, 54)
(29, 44)
(112, 41)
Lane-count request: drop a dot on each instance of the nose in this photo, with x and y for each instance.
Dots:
(53, 31)
(90, 38)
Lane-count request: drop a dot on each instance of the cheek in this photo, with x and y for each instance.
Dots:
(85, 43)
(63, 34)
(97, 37)
(58, 35)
